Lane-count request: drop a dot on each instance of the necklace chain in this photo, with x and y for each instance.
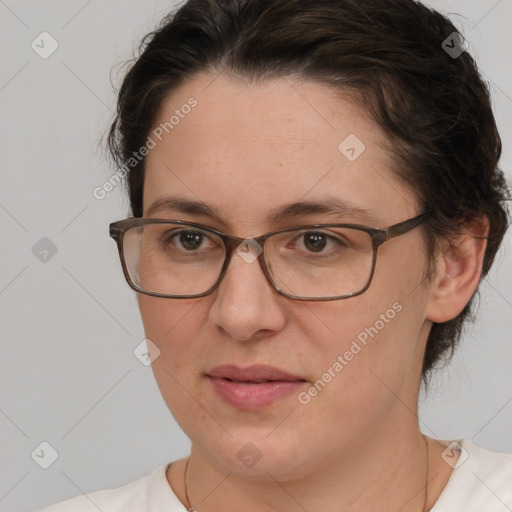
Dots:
(190, 508)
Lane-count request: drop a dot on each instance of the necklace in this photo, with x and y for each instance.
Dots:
(190, 508)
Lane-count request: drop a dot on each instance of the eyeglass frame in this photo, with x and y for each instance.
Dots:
(378, 236)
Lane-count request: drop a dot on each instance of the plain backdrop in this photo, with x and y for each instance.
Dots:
(70, 324)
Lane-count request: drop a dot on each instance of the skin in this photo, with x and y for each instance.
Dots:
(356, 446)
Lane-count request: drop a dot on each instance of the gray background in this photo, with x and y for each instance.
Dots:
(69, 325)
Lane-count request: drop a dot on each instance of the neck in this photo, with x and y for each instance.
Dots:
(385, 472)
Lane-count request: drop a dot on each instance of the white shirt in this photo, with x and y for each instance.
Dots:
(480, 482)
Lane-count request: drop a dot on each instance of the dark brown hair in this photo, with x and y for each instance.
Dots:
(433, 105)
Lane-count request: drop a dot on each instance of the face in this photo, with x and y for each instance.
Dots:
(354, 364)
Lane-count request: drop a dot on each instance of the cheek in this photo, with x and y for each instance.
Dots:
(170, 325)
(173, 326)
(358, 337)
(369, 352)
(162, 318)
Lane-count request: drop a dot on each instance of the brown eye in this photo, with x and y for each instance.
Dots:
(191, 240)
(315, 242)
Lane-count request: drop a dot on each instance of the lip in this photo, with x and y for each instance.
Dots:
(254, 387)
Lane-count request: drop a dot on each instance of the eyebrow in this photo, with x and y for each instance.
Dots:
(330, 206)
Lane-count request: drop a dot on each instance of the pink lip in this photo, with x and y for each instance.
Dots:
(254, 387)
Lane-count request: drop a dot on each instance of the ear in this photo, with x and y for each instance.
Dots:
(458, 270)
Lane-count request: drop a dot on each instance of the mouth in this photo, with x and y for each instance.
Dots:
(253, 374)
(254, 387)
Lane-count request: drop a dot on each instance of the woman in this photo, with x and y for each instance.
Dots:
(262, 143)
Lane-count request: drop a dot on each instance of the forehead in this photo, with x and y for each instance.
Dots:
(249, 148)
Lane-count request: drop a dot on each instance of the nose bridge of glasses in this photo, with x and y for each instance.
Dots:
(248, 249)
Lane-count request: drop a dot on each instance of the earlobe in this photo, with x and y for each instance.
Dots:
(458, 272)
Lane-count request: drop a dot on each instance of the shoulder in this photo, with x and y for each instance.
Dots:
(481, 480)
(131, 495)
(138, 495)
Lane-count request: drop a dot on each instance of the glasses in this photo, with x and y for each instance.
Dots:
(178, 259)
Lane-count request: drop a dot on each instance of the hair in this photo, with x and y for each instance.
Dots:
(388, 54)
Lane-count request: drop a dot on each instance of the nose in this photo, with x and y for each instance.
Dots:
(246, 305)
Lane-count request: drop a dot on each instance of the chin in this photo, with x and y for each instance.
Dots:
(260, 456)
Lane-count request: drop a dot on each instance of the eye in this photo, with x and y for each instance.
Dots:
(190, 240)
(317, 242)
